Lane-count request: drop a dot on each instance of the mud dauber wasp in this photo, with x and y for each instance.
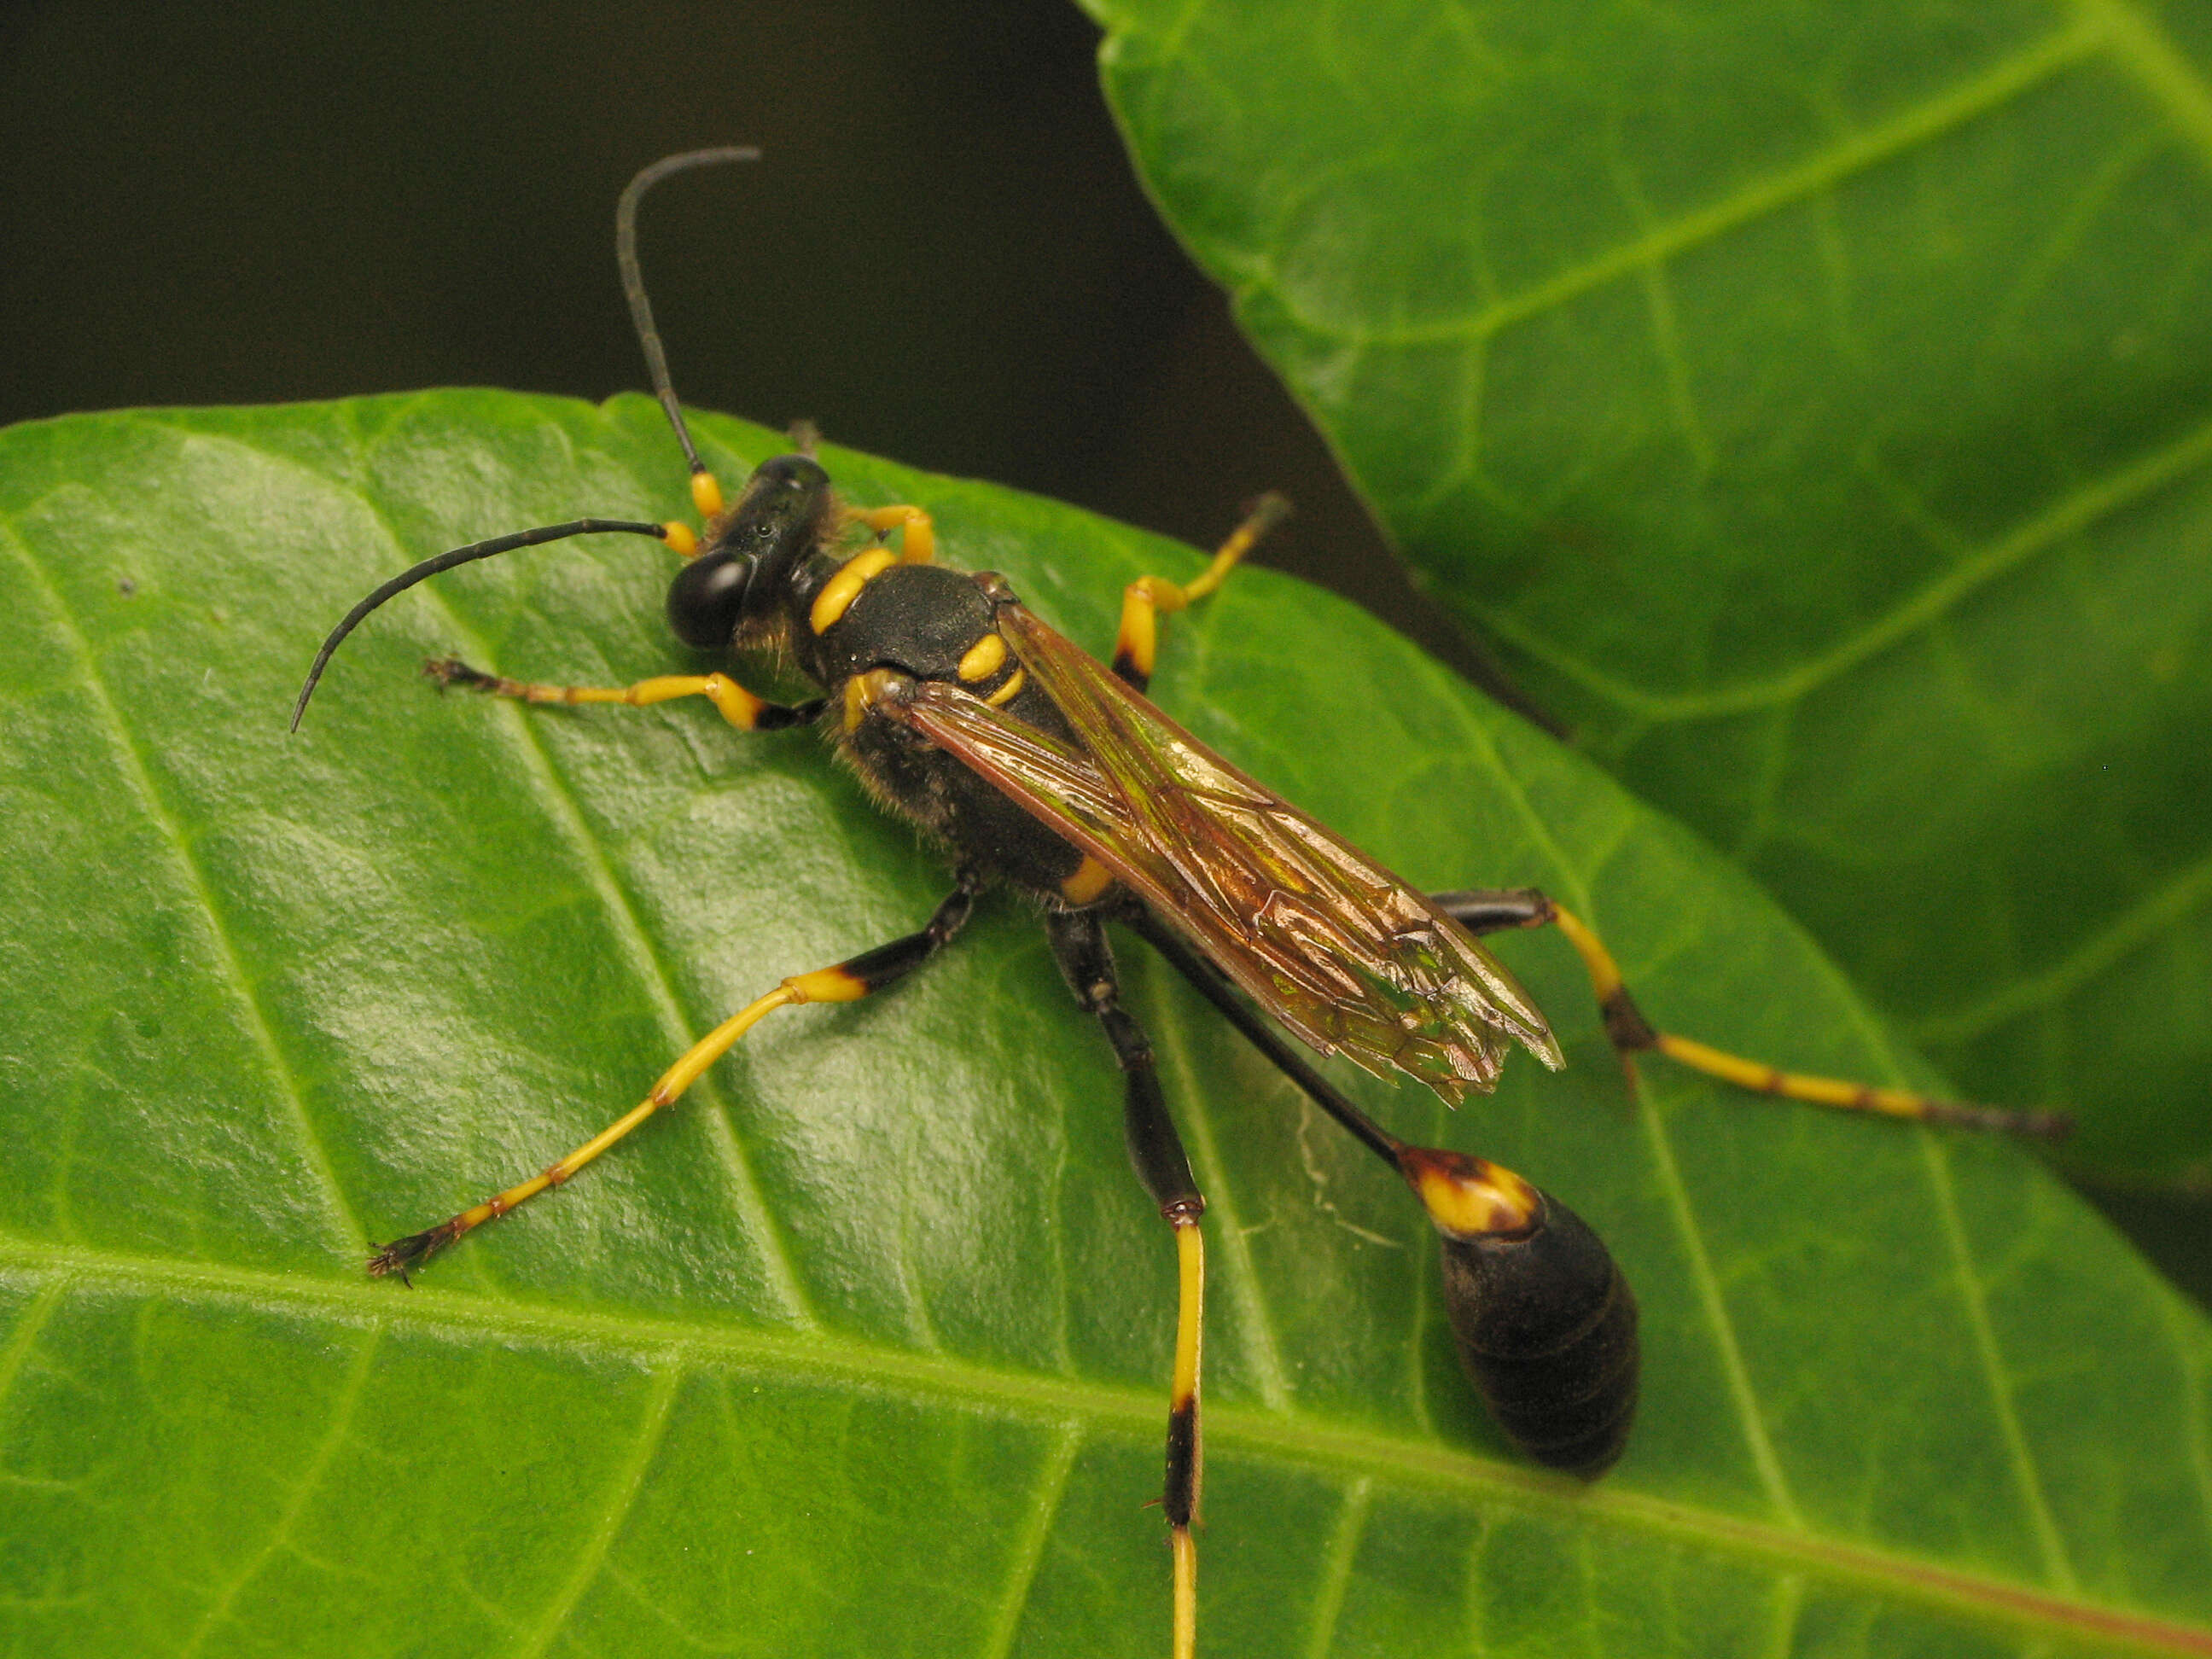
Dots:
(1040, 769)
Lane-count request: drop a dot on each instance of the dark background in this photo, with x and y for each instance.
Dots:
(944, 256)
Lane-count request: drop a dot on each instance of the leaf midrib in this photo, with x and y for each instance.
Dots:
(63, 1269)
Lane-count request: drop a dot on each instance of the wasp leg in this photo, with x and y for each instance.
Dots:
(1543, 1320)
(1079, 944)
(1137, 642)
(1490, 911)
(918, 546)
(739, 707)
(847, 981)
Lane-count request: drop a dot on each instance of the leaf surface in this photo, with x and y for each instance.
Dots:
(862, 1347)
(1816, 409)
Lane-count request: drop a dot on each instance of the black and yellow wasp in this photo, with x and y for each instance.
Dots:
(1038, 769)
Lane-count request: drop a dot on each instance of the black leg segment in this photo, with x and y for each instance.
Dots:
(1079, 944)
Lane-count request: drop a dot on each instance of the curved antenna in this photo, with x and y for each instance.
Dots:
(632, 279)
(428, 567)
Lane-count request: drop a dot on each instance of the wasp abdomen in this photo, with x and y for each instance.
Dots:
(1547, 1328)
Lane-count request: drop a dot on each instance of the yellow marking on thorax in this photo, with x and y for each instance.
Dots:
(1006, 693)
(984, 658)
(838, 595)
(1089, 880)
(862, 693)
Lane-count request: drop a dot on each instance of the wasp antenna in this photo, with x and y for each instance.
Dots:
(407, 579)
(632, 279)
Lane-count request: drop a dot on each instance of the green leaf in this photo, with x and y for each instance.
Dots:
(1816, 409)
(862, 1348)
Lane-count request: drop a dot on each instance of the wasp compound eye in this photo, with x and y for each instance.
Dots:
(1545, 1323)
(707, 598)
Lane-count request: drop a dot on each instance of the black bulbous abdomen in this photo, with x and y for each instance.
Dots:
(1545, 1327)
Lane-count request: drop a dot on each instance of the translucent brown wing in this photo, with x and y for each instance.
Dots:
(1348, 956)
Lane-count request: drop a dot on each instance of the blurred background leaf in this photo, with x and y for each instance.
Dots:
(1815, 411)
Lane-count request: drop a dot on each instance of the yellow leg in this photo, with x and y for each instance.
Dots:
(847, 981)
(826, 985)
(1186, 1457)
(917, 542)
(739, 707)
(1632, 1033)
(1136, 643)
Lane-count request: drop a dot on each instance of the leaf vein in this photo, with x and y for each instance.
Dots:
(1975, 1300)
(2139, 925)
(1342, 1549)
(1264, 1353)
(653, 1425)
(24, 1339)
(1991, 90)
(342, 1408)
(348, 1235)
(644, 958)
(2189, 1351)
(1022, 1566)
(2077, 511)
(2149, 55)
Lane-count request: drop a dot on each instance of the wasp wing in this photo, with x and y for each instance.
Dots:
(1348, 956)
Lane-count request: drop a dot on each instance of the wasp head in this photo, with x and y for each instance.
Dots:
(731, 594)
